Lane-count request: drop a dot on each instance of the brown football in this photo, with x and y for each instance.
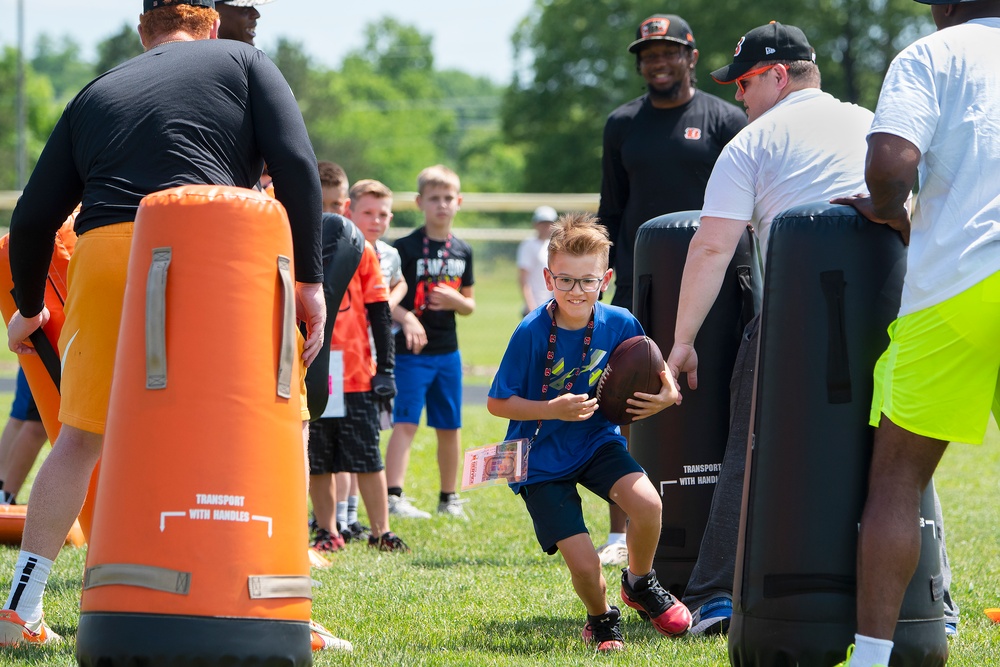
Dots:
(634, 365)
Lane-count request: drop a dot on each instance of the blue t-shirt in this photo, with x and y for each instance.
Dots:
(561, 447)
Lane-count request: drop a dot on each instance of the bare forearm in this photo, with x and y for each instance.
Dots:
(519, 409)
(704, 270)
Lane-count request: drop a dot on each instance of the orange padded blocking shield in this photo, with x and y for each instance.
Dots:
(197, 553)
(42, 370)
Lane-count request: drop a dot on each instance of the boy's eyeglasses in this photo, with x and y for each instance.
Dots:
(566, 284)
(751, 74)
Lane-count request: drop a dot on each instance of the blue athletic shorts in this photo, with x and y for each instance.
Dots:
(555, 505)
(434, 380)
(24, 407)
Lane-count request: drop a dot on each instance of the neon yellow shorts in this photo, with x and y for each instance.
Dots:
(939, 376)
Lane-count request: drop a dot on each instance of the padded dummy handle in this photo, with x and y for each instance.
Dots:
(744, 276)
(783, 585)
(287, 354)
(264, 587)
(141, 576)
(156, 319)
(643, 301)
(838, 371)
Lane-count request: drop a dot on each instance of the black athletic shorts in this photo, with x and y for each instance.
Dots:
(555, 505)
(347, 444)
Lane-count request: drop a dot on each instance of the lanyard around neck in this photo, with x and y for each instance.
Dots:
(550, 356)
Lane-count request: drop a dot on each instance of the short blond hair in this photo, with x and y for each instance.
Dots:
(580, 234)
(437, 176)
(369, 186)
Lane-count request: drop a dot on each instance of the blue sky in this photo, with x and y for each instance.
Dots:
(471, 35)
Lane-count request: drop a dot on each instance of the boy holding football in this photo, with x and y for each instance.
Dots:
(554, 359)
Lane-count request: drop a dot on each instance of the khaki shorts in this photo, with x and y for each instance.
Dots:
(89, 337)
(939, 376)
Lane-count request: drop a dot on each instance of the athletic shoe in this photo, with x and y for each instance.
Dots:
(323, 639)
(317, 560)
(713, 617)
(613, 553)
(356, 532)
(402, 507)
(847, 663)
(950, 630)
(327, 542)
(15, 632)
(388, 542)
(453, 507)
(604, 631)
(667, 614)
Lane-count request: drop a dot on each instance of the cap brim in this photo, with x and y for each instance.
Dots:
(731, 72)
(634, 46)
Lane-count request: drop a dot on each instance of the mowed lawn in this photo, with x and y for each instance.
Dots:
(482, 593)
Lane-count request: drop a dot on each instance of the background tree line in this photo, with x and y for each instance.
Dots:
(387, 112)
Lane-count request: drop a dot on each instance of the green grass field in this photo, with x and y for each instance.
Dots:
(482, 593)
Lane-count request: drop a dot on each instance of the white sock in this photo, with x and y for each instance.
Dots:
(342, 512)
(616, 538)
(869, 652)
(352, 510)
(31, 574)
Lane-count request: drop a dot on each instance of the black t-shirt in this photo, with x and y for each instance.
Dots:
(658, 161)
(448, 262)
(183, 113)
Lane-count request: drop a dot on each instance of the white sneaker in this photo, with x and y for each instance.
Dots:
(15, 632)
(453, 507)
(323, 639)
(402, 507)
(615, 554)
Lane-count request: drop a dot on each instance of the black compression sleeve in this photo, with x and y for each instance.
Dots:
(381, 324)
(284, 143)
(51, 194)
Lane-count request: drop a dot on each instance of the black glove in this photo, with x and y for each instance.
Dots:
(384, 385)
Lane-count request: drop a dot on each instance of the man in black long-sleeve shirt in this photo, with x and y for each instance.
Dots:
(659, 150)
(191, 110)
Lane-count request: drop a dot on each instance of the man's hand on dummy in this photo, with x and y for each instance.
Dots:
(683, 359)
(310, 307)
(21, 327)
(863, 204)
(573, 407)
(384, 385)
(646, 405)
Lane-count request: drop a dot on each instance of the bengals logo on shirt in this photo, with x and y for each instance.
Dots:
(692, 133)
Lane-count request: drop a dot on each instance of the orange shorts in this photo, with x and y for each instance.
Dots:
(89, 337)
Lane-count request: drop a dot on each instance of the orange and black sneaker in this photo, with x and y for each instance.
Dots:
(604, 631)
(15, 632)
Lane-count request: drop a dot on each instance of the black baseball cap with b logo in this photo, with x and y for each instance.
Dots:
(773, 41)
(662, 27)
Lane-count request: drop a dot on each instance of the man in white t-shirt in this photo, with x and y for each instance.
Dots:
(802, 145)
(937, 123)
(533, 257)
